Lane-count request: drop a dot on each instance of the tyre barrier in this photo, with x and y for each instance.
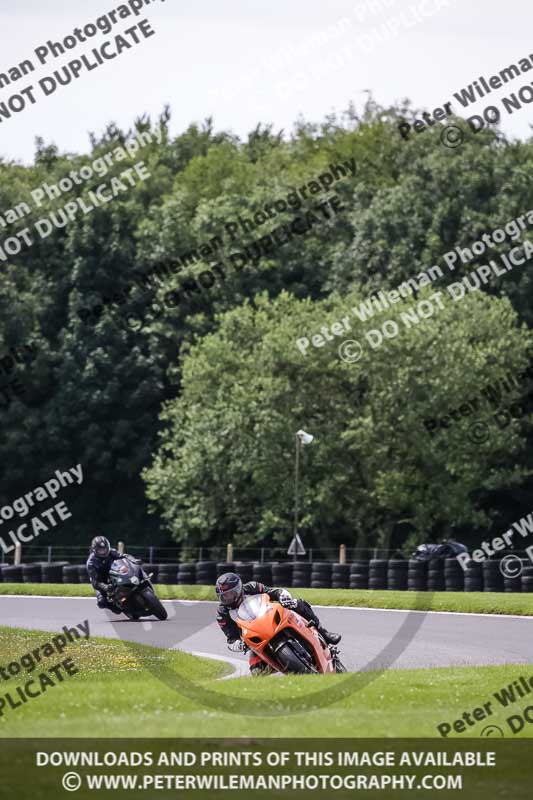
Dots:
(263, 573)
(301, 574)
(321, 572)
(397, 574)
(359, 571)
(340, 576)
(492, 577)
(377, 574)
(168, 574)
(205, 572)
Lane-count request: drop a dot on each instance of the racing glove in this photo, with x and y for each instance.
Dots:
(237, 646)
(103, 587)
(286, 600)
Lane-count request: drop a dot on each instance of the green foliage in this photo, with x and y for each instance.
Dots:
(225, 459)
(95, 390)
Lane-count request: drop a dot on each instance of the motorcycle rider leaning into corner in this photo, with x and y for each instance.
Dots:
(98, 566)
(231, 592)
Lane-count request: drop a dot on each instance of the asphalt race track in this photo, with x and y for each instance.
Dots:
(372, 639)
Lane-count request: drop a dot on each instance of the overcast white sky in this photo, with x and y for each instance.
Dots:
(208, 58)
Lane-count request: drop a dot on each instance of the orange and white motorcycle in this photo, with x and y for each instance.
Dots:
(283, 639)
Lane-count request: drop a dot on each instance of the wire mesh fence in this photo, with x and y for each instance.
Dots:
(77, 554)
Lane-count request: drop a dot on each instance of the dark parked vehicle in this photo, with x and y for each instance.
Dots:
(432, 552)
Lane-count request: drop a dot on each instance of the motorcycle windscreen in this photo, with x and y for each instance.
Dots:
(252, 608)
(119, 568)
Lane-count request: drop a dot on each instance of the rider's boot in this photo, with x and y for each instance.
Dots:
(331, 638)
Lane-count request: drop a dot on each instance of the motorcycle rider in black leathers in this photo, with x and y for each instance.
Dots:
(231, 592)
(98, 566)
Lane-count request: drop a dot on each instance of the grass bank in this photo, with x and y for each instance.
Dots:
(126, 689)
(467, 602)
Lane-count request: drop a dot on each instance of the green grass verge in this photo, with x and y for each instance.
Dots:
(119, 691)
(468, 602)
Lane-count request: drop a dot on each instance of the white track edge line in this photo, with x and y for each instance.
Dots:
(344, 608)
(240, 668)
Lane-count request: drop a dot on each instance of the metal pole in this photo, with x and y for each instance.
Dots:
(151, 556)
(262, 555)
(296, 487)
(49, 554)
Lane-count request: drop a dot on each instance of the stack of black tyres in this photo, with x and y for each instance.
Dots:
(473, 577)
(245, 570)
(168, 573)
(301, 574)
(321, 575)
(206, 573)
(514, 584)
(83, 575)
(224, 566)
(359, 575)
(12, 573)
(417, 575)
(340, 576)
(71, 573)
(377, 573)
(281, 575)
(263, 573)
(53, 572)
(527, 579)
(397, 574)
(436, 575)
(31, 573)
(492, 576)
(453, 575)
(186, 573)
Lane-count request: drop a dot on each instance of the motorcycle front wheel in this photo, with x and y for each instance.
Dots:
(153, 603)
(292, 663)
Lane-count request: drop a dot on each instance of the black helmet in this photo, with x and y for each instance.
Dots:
(100, 546)
(229, 589)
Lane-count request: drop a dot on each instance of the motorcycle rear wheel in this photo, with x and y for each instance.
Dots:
(154, 603)
(288, 659)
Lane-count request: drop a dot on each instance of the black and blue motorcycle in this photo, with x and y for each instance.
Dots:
(131, 590)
